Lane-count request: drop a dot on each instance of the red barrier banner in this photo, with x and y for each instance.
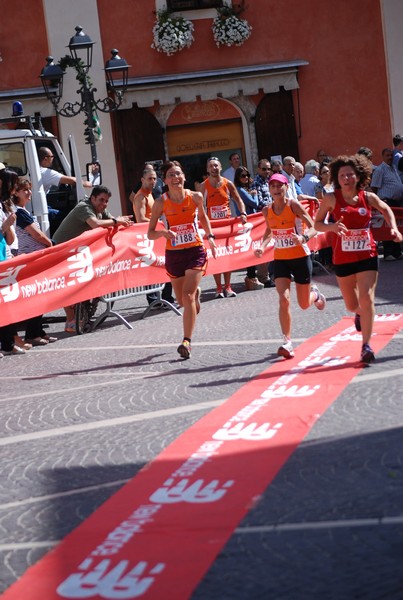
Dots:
(107, 260)
(159, 534)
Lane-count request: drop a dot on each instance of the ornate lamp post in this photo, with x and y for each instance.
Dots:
(80, 59)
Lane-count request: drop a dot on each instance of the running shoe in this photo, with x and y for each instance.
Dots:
(357, 322)
(229, 292)
(320, 301)
(286, 349)
(219, 293)
(367, 354)
(197, 300)
(184, 349)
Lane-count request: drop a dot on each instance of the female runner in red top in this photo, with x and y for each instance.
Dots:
(185, 255)
(355, 255)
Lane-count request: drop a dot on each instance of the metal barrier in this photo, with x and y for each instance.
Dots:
(141, 290)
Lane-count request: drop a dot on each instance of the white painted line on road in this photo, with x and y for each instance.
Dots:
(28, 546)
(69, 389)
(135, 375)
(47, 497)
(156, 346)
(83, 427)
(374, 376)
(320, 525)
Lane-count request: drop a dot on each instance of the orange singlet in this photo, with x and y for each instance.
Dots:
(217, 200)
(182, 219)
(282, 226)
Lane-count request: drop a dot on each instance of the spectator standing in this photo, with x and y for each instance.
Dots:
(398, 153)
(217, 191)
(30, 238)
(276, 166)
(8, 181)
(244, 184)
(49, 176)
(52, 178)
(292, 257)
(298, 174)
(310, 178)
(235, 162)
(157, 190)
(261, 184)
(322, 188)
(387, 185)
(143, 202)
(354, 249)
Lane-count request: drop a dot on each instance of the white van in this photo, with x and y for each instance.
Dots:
(18, 151)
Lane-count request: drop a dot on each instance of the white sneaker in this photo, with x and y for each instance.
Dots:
(286, 349)
(320, 301)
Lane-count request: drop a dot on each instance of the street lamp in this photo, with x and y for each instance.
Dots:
(80, 59)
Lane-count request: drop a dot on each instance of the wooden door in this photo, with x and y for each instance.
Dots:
(275, 126)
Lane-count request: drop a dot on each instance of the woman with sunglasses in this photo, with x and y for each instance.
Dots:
(323, 187)
(244, 185)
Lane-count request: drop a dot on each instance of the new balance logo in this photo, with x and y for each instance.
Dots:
(9, 287)
(102, 581)
(82, 262)
(197, 493)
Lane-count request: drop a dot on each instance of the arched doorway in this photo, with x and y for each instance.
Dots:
(198, 130)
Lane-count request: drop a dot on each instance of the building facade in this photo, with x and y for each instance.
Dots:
(324, 77)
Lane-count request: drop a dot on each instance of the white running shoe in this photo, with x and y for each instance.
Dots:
(286, 349)
(320, 301)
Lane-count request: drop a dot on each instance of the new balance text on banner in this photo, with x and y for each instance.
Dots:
(157, 536)
(106, 260)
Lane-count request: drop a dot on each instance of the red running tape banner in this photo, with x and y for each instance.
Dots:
(157, 537)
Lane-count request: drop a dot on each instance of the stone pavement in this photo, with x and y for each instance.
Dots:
(82, 416)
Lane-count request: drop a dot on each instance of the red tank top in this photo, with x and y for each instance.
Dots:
(358, 243)
(182, 219)
(217, 200)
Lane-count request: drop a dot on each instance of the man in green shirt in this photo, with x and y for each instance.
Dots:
(89, 214)
(86, 215)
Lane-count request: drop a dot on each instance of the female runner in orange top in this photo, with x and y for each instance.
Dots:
(292, 256)
(185, 255)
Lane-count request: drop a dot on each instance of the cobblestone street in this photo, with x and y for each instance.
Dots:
(82, 416)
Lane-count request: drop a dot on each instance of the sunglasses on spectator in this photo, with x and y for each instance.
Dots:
(244, 175)
(264, 168)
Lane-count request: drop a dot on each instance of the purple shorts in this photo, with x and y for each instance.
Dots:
(178, 261)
